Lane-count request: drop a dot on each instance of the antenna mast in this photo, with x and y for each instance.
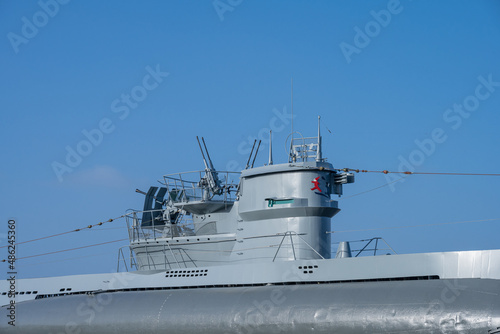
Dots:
(270, 147)
(292, 108)
(319, 154)
(291, 158)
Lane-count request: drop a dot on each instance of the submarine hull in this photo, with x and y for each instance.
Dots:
(427, 306)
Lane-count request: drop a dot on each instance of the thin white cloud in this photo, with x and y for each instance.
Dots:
(98, 176)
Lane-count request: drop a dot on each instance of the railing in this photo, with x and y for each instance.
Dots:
(291, 234)
(373, 241)
(132, 263)
(305, 148)
(181, 260)
(195, 186)
(183, 226)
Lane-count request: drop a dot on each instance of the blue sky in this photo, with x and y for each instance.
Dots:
(400, 84)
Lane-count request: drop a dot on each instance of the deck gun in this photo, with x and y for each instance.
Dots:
(210, 182)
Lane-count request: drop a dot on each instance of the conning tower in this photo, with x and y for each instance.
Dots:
(272, 213)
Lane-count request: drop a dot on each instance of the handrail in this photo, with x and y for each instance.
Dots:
(183, 226)
(192, 187)
(121, 258)
(375, 249)
(290, 233)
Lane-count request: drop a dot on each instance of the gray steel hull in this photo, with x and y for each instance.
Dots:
(429, 306)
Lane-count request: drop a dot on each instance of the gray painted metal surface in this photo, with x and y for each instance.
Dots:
(344, 250)
(433, 306)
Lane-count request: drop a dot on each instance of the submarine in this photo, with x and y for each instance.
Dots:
(216, 252)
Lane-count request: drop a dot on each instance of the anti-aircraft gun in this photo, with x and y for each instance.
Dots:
(210, 183)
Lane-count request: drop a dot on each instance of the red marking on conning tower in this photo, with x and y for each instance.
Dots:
(316, 184)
